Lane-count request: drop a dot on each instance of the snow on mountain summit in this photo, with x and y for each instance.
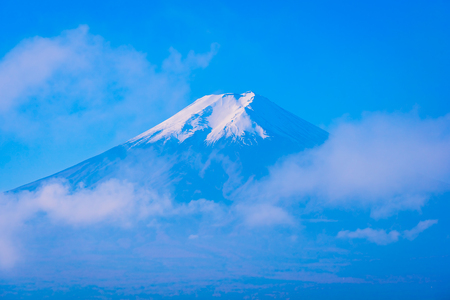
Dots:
(224, 115)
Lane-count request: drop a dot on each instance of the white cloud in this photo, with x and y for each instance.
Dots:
(264, 215)
(114, 201)
(385, 162)
(413, 233)
(379, 237)
(111, 200)
(176, 64)
(77, 87)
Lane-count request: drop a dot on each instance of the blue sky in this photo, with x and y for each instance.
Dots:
(78, 78)
(361, 56)
(320, 60)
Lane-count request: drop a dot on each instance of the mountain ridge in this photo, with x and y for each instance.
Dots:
(215, 144)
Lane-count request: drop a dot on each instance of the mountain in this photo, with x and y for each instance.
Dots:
(206, 150)
(186, 208)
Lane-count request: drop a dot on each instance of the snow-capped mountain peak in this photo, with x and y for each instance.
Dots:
(202, 144)
(225, 115)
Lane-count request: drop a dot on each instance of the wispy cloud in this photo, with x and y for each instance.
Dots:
(381, 237)
(66, 87)
(264, 215)
(413, 233)
(175, 63)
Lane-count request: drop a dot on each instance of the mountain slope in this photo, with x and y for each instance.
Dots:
(205, 151)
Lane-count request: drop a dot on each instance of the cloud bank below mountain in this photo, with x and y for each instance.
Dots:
(384, 162)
